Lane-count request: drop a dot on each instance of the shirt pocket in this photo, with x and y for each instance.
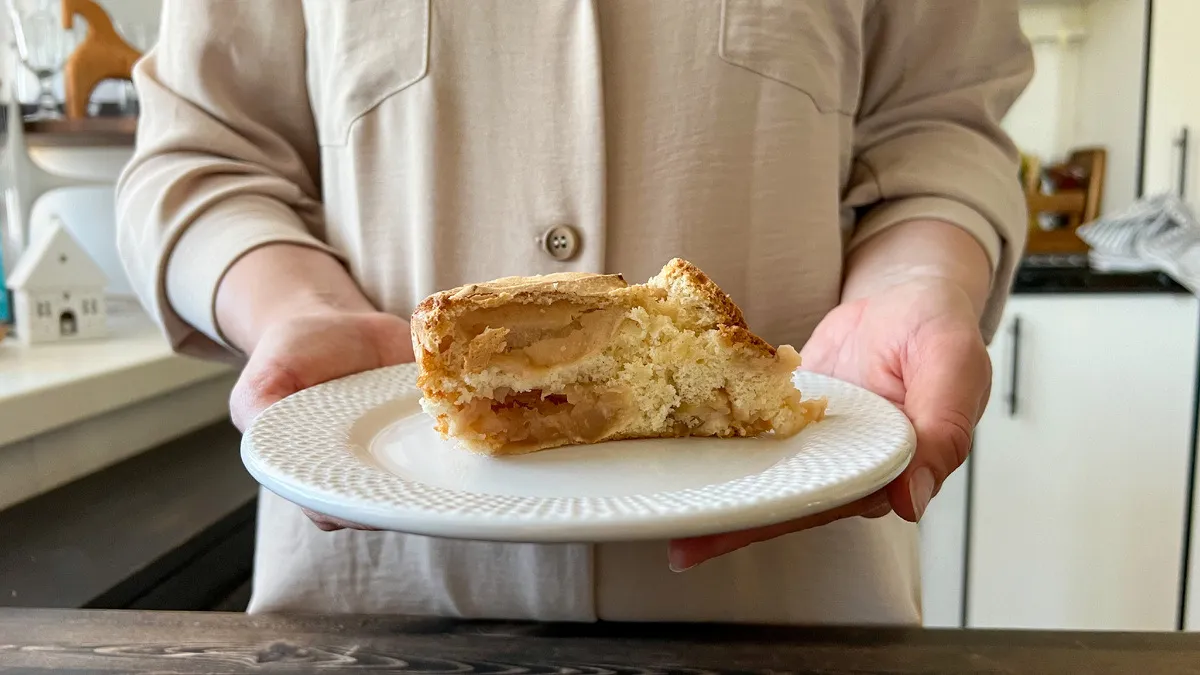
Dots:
(813, 46)
(360, 54)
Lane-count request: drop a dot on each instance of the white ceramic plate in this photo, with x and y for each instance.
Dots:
(361, 449)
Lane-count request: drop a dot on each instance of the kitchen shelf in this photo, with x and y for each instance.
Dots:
(1056, 3)
(81, 133)
(1067, 201)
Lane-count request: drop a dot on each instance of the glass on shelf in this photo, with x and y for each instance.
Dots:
(43, 47)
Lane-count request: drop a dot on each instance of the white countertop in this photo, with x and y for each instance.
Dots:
(44, 387)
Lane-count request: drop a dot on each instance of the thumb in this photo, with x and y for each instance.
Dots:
(947, 383)
(391, 337)
(257, 389)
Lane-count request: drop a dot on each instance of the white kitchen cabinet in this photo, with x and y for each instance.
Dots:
(1078, 489)
(1191, 603)
(1173, 100)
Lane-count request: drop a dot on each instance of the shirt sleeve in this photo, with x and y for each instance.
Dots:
(226, 159)
(940, 75)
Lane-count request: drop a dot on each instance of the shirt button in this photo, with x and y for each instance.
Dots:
(561, 242)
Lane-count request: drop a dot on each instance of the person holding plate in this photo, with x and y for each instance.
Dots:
(307, 172)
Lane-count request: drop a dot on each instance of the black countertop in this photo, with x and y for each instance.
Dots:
(212, 642)
(1032, 279)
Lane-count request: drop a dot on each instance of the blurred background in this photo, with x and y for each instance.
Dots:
(120, 482)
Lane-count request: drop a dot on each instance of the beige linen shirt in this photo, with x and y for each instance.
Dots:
(431, 143)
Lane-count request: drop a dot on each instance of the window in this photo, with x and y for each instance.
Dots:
(43, 309)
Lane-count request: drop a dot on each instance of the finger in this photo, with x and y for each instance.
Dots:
(331, 524)
(944, 400)
(324, 524)
(258, 388)
(683, 554)
(392, 338)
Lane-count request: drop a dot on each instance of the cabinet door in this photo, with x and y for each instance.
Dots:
(1173, 100)
(943, 531)
(1079, 491)
(1191, 607)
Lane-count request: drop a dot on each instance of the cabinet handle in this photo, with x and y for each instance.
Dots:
(1014, 368)
(1182, 144)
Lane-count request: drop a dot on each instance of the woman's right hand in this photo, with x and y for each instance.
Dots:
(298, 352)
(303, 321)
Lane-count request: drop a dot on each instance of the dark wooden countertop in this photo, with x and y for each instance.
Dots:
(124, 641)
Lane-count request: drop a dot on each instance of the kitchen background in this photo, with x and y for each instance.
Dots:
(120, 483)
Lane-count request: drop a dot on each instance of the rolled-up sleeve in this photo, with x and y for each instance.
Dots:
(226, 158)
(929, 145)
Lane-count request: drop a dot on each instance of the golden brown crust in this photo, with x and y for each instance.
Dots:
(728, 316)
(441, 309)
(727, 311)
(433, 318)
(543, 288)
(735, 336)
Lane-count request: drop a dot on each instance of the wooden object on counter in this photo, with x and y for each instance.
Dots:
(199, 642)
(102, 55)
(1078, 206)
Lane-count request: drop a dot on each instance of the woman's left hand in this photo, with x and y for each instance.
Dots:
(917, 344)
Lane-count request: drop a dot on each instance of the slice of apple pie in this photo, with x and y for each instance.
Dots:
(521, 364)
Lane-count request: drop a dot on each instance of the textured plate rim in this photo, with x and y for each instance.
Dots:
(368, 390)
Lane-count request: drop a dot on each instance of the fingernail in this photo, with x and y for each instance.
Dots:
(879, 511)
(920, 490)
(676, 565)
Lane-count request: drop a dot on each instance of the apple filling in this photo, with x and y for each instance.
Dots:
(541, 338)
(518, 420)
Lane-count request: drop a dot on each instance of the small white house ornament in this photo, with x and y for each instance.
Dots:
(58, 290)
